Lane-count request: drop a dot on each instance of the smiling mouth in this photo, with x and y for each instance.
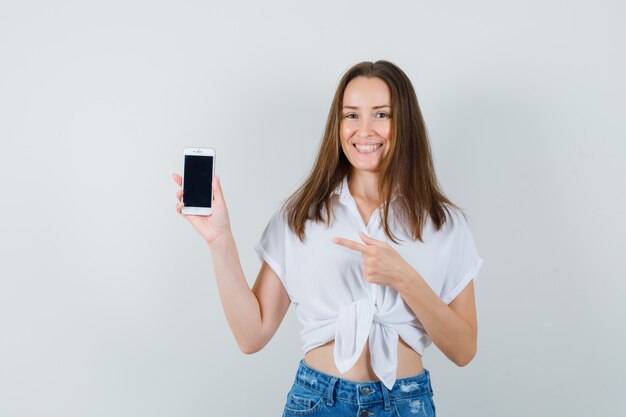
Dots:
(367, 149)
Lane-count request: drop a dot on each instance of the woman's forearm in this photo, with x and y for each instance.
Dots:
(448, 331)
(240, 305)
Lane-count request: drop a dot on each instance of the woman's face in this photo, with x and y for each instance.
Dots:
(365, 122)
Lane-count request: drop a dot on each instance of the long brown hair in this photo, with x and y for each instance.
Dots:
(407, 166)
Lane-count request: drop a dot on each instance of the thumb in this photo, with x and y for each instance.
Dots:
(217, 190)
(370, 240)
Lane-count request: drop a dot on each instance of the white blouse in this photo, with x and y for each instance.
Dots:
(333, 300)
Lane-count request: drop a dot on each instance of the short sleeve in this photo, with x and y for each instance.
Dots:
(464, 263)
(271, 247)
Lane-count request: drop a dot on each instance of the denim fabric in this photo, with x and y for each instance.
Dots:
(315, 393)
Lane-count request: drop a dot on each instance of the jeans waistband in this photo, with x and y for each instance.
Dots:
(362, 392)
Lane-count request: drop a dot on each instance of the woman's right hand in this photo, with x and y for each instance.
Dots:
(214, 226)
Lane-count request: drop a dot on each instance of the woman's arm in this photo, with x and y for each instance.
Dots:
(453, 328)
(253, 315)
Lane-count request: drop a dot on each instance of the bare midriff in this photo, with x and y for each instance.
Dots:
(322, 359)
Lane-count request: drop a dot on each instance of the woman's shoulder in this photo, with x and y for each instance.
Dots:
(452, 211)
(458, 228)
(279, 216)
(455, 218)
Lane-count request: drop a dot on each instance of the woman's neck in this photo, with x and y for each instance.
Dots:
(363, 185)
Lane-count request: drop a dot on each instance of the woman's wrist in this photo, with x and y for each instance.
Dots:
(408, 281)
(221, 241)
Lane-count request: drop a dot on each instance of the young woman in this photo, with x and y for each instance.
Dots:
(377, 261)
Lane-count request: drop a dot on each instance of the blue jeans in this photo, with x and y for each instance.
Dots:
(315, 393)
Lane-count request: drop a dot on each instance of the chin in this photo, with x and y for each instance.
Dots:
(370, 168)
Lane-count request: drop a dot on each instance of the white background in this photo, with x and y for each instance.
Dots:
(108, 302)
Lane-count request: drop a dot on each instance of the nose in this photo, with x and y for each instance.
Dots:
(365, 128)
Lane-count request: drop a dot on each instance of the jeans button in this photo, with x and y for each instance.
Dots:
(366, 391)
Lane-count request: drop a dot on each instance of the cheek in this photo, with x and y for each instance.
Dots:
(385, 130)
(346, 131)
(344, 137)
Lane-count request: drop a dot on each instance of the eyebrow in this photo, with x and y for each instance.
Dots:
(375, 107)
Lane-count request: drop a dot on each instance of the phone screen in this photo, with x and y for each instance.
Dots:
(197, 177)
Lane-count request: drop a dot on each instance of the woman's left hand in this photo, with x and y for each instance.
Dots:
(381, 263)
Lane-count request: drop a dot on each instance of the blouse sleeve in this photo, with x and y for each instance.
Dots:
(271, 246)
(464, 262)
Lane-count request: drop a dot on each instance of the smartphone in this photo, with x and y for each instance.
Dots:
(198, 172)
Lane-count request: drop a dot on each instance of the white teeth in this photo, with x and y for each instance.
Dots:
(368, 148)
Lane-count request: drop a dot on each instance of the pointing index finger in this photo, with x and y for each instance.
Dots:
(350, 244)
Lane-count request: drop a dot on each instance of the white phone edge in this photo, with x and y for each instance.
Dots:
(198, 151)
